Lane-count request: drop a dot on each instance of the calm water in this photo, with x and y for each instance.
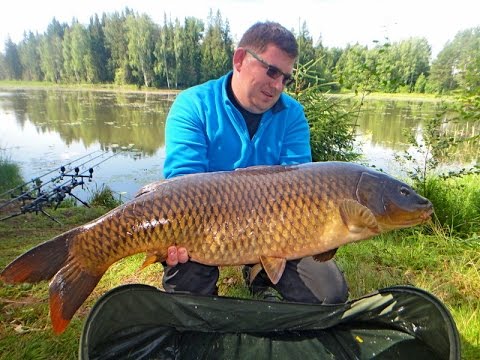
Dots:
(123, 133)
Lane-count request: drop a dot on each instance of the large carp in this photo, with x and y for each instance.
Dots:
(259, 215)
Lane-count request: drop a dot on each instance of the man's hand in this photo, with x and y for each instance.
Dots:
(176, 255)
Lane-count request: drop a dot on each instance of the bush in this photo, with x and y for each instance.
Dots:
(332, 120)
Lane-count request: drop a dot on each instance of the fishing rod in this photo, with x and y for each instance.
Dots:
(34, 200)
(47, 173)
(39, 184)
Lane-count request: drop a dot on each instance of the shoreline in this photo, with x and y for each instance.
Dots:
(34, 85)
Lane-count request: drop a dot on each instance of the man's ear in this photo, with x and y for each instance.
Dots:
(238, 57)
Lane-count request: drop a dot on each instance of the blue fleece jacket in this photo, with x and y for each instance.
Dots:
(206, 132)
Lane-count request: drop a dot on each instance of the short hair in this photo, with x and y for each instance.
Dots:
(262, 34)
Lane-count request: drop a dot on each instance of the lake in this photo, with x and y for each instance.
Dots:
(122, 134)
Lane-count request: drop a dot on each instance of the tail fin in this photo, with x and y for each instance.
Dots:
(68, 290)
(71, 284)
(39, 263)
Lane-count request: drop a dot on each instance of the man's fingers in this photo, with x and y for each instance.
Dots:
(172, 258)
(176, 255)
(182, 255)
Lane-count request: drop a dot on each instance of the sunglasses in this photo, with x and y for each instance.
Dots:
(273, 71)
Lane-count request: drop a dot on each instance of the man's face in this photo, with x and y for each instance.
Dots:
(254, 89)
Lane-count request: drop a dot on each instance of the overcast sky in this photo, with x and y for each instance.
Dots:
(336, 22)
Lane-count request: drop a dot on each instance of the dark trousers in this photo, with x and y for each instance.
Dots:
(304, 280)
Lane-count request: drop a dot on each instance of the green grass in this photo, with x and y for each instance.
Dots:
(19, 84)
(446, 266)
(104, 196)
(456, 201)
(10, 176)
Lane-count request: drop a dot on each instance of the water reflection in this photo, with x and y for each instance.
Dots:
(43, 129)
(381, 122)
(381, 128)
(93, 117)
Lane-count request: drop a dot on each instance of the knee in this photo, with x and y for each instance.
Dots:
(191, 277)
(307, 280)
(337, 292)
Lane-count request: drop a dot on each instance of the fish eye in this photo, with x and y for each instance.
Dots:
(404, 191)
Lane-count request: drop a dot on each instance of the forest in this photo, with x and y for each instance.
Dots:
(130, 48)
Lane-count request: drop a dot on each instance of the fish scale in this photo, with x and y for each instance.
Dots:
(261, 215)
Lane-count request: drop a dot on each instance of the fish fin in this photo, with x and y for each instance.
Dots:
(149, 188)
(69, 288)
(274, 267)
(70, 285)
(325, 256)
(254, 271)
(357, 217)
(41, 262)
(151, 258)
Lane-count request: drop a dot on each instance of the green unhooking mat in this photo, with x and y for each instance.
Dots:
(142, 322)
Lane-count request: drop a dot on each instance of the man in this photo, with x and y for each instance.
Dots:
(244, 119)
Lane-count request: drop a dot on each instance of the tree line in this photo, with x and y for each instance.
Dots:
(130, 48)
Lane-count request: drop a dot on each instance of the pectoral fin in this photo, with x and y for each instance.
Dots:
(151, 258)
(274, 267)
(325, 256)
(254, 271)
(357, 217)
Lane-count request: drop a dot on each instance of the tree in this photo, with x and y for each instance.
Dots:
(217, 48)
(117, 45)
(467, 69)
(188, 51)
(77, 54)
(306, 52)
(3, 67)
(99, 52)
(456, 66)
(29, 53)
(326, 69)
(352, 70)
(51, 51)
(414, 60)
(165, 65)
(13, 67)
(331, 120)
(141, 35)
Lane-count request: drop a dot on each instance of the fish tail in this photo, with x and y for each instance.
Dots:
(40, 263)
(71, 283)
(68, 290)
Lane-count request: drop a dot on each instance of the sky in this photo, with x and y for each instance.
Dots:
(336, 22)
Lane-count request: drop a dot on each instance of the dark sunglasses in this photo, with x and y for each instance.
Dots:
(273, 71)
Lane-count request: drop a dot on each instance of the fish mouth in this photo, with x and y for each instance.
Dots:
(420, 218)
(426, 214)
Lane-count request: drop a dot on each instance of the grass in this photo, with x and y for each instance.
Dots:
(457, 202)
(446, 266)
(20, 84)
(9, 175)
(104, 196)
